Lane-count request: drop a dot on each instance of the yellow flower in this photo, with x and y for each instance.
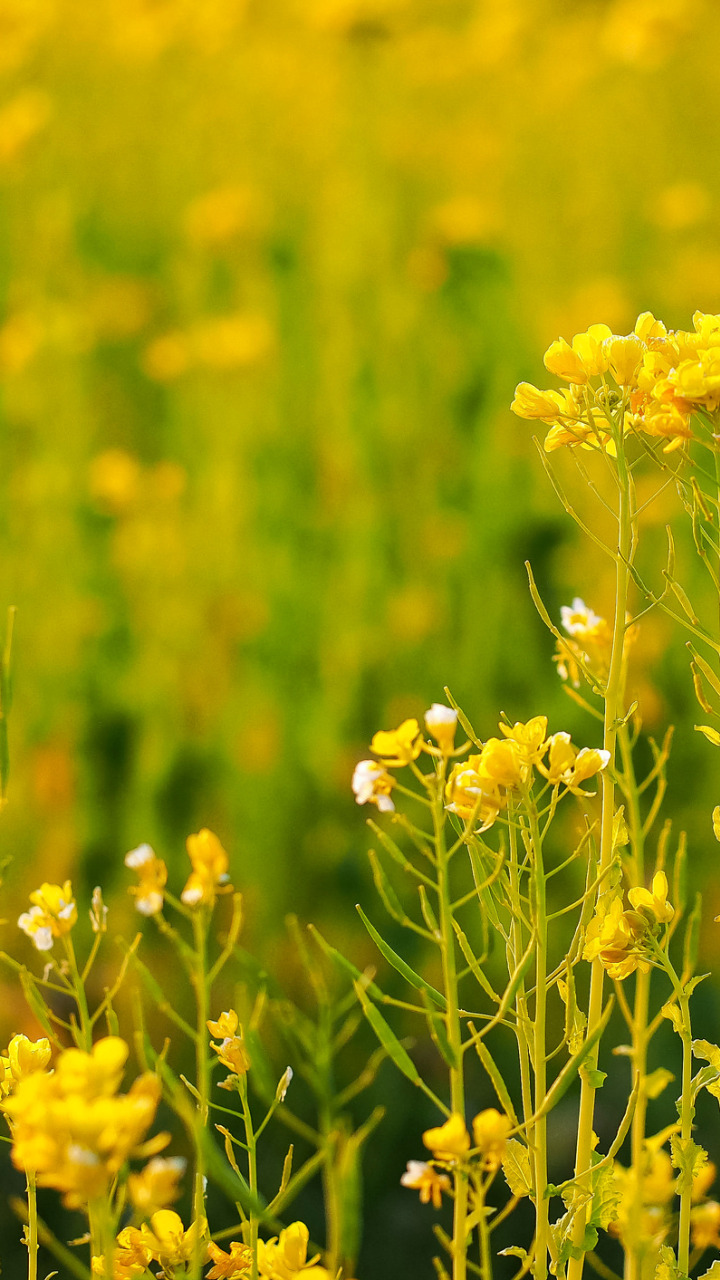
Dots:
(654, 902)
(229, 1266)
(624, 356)
(449, 1140)
(168, 1241)
(233, 1055)
(398, 747)
(152, 872)
(613, 936)
(529, 739)
(568, 767)
(490, 1131)
(530, 402)
(472, 795)
(53, 913)
(156, 1186)
(585, 626)
(72, 1128)
(209, 869)
(420, 1176)
(131, 1257)
(502, 763)
(441, 722)
(561, 359)
(27, 1056)
(226, 1025)
(371, 783)
(285, 1257)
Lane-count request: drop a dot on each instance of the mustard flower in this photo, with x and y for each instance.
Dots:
(156, 1186)
(530, 402)
(568, 767)
(229, 1266)
(398, 747)
(624, 357)
(284, 1257)
(371, 783)
(73, 1129)
(529, 739)
(448, 1141)
(583, 624)
(469, 793)
(52, 914)
(421, 1176)
(168, 1241)
(231, 1051)
(614, 936)
(131, 1257)
(653, 902)
(441, 722)
(209, 869)
(501, 763)
(152, 872)
(490, 1131)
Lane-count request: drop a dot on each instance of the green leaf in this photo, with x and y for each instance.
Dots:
(386, 1036)
(36, 1003)
(438, 1032)
(575, 1019)
(606, 1197)
(594, 1077)
(688, 1158)
(657, 1081)
(673, 1014)
(516, 1167)
(343, 963)
(667, 1267)
(713, 1271)
(398, 963)
(475, 967)
(708, 1052)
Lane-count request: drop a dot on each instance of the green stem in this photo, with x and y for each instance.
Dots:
(84, 1039)
(251, 1141)
(483, 1233)
(539, 1054)
(452, 1017)
(202, 1067)
(32, 1234)
(516, 950)
(614, 702)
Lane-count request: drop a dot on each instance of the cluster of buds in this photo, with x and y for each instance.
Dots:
(661, 378)
(231, 1051)
(619, 937)
(72, 1128)
(209, 874)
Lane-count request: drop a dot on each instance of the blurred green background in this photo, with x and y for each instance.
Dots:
(269, 272)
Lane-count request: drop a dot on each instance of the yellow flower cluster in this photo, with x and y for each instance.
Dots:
(661, 378)
(618, 937)
(73, 1129)
(52, 914)
(164, 1240)
(231, 1051)
(479, 787)
(372, 783)
(450, 1142)
(209, 873)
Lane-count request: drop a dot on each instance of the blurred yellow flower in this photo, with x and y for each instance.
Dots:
(53, 913)
(152, 873)
(131, 1257)
(397, 747)
(168, 1241)
(490, 1131)
(421, 1176)
(449, 1140)
(372, 784)
(284, 1257)
(157, 1185)
(229, 1266)
(209, 869)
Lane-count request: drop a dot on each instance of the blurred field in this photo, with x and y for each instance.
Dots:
(269, 273)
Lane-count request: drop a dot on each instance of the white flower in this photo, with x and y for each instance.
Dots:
(371, 783)
(140, 857)
(578, 619)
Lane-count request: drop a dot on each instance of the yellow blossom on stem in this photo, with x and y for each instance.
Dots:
(226, 1024)
(397, 747)
(157, 1185)
(624, 357)
(52, 914)
(209, 869)
(502, 763)
(152, 873)
(490, 1131)
(131, 1257)
(421, 1176)
(168, 1241)
(27, 1056)
(284, 1257)
(229, 1266)
(529, 739)
(653, 902)
(530, 402)
(614, 936)
(441, 722)
(469, 793)
(372, 784)
(450, 1140)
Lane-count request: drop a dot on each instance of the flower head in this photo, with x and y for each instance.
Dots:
(156, 1186)
(131, 1257)
(209, 869)
(449, 1140)
(421, 1176)
(371, 783)
(284, 1257)
(152, 872)
(52, 914)
(398, 747)
(653, 902)
(472, 794)
(490, 1131)
(168, 1241)
(441, 722)
(229, 1266)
